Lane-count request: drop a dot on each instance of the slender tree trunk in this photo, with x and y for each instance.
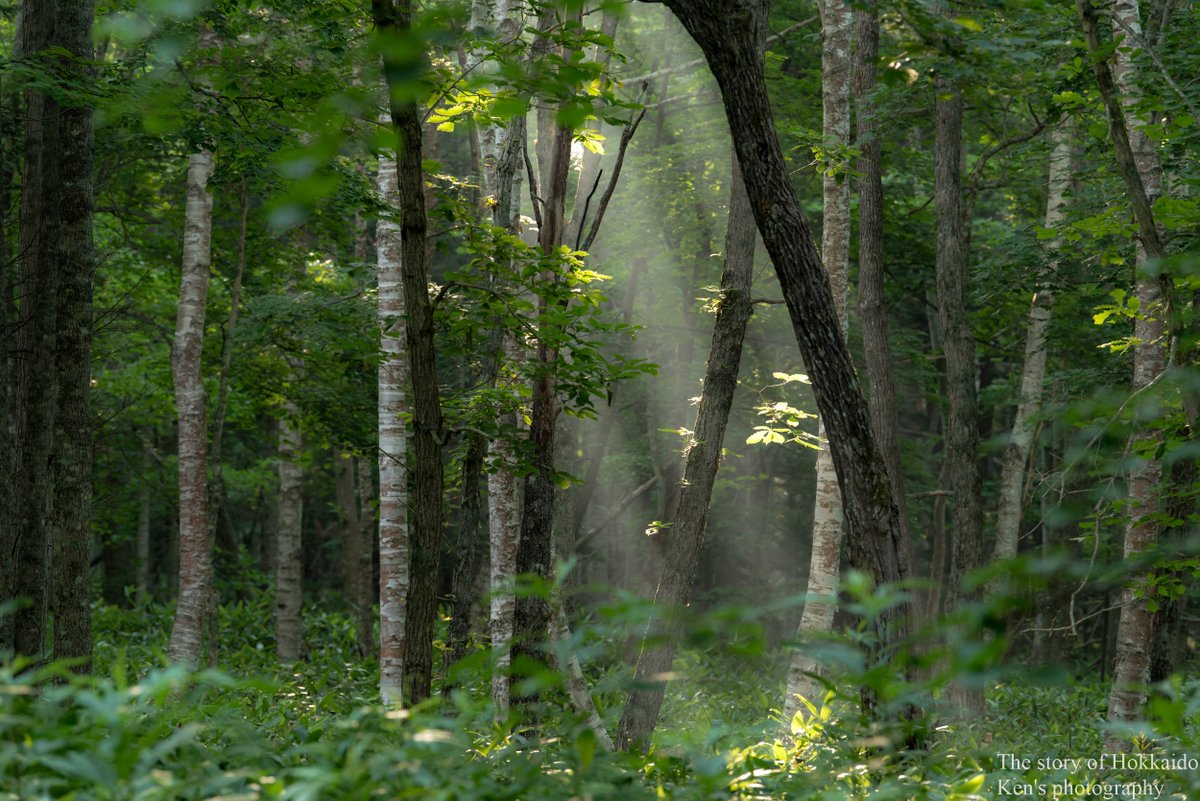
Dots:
(962, 429)
(195, 546)
(289, 569)
(470, 550)
(364, 598)
(1016, 455)
(725, 32)
(685, 537)
(872, 304)
(1141, 171)
(8, 316)
(837, 20)
(531, 613)
(348, 522)
(143, 525)
(393, 449)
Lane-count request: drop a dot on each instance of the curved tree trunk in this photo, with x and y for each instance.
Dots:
(837, 20)
(1016, 455)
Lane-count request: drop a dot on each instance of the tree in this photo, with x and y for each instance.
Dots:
(725, 33)
(289, 626)
(195, 546)
(837, 19)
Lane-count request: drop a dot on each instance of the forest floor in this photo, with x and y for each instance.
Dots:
(140, 730)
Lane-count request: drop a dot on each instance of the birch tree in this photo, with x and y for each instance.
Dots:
(837, 20)
(1033, 372)
(195, 546)
(289, 625)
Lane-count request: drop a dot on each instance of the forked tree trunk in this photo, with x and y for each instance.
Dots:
(837, 20)
(195, 546)
(1016, 455)
(393, 449)
(289, 624)
(725, 32)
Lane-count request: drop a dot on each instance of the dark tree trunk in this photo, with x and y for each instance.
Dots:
(36, 392)
(962, 432)
(725, 32)
(71, 532)
(471, 542)
(872, 306)
(426, 536)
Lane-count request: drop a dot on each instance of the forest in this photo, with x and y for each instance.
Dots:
(538, 400)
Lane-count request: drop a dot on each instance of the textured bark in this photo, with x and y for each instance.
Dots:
(289, 624)
(469, 559)
(872, 306)
(1141, 172)
(195, 546)
(70, 529)
(1016, 455)
(837, 19)
(393, 449)
(725, 32)
(685, 537)
(37, 284)
(504, 527)
(962, 429)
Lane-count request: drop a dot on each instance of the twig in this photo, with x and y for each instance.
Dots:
(626, 135)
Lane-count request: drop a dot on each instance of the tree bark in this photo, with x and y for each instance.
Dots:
(37, 284)
(195, 547)
(837, 20)
(364, 598)
(70, 528)
(872, 304)
(289, 624)
(725, 32)
(1016, 455)
(393, 449)
(962, 429)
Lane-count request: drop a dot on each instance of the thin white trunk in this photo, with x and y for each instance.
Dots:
(289, 627)
(581, 696)
(195, 548)
(1135, 629)
(837, 20)
(393, 445)
(1016, 456)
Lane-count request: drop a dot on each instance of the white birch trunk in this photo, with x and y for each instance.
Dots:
(289, 626)
(1016, 455)
(1135, 629)
(393, 445)
(195, 548)
(837, 21)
